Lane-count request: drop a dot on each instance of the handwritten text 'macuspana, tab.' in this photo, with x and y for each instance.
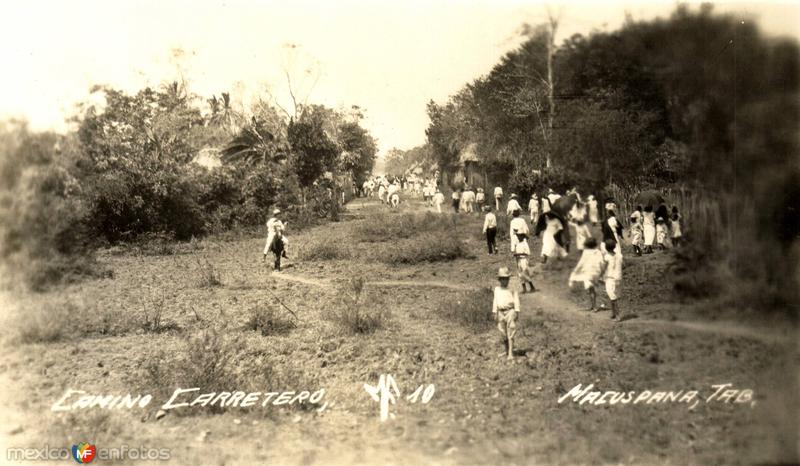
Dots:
(720, 393)
(190, 397)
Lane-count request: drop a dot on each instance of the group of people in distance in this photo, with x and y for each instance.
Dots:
(388, 188)
(601, 262)
(552, 216)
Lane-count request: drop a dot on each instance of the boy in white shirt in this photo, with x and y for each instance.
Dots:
(613, 275)
(513, 205)
(480, 199)
(490, 230)
(505, 308)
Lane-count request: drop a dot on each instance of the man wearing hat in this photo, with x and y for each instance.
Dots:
(275, 229)
(505, 309)
(513, 204)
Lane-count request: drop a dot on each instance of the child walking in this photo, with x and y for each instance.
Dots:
(490, 229)
(505, 309)
(521, 251)
(637, 230)
(588, 271)
(661, 232)
(676, 227)
(613, 275)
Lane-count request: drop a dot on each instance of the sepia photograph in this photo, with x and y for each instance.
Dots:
(261, 232)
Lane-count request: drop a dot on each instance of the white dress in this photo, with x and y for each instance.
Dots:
(550, 248)
(649, 226)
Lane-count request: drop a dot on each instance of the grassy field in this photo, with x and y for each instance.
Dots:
(401, 293)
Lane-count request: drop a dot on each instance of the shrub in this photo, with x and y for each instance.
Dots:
(354, 313)
(214, 361)
(471, 309)
(426, 247)
(326, 248)
(208, 277)
(268, 320)
(47, 325)
(389, 226)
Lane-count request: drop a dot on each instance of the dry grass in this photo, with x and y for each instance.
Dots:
(268, 320)
(391, 226)
(472, 309)
(325, 249)
(425, 247)
(356, 314)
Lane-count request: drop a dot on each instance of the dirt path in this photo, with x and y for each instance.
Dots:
(379, 283)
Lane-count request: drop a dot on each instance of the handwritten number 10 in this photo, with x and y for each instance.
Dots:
(426, 395)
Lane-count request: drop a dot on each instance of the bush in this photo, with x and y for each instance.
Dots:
(208, 277)
(389, 226)
(213, 360)
(47, 325)
(471, 309)
(354, 313)
(425, 247)
(269, 321)
(326, 248)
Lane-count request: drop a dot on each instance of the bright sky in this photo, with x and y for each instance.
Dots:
(389, 57)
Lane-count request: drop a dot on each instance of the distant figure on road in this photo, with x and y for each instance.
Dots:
(533, 208)
(649, 227)
(394, 201)
(498, 196)
(505, 309)
(589, 270)
(550, 247)
(675, 226)
(490, 229)
(521, 250)
(438, 200)
(456, 197)
(637, 230)
(594, 215)
(468, 196)
(512, 205)
(382, 193)
(480, 200)
(276, 242)
(613, 275)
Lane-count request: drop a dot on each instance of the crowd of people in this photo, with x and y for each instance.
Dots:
(552, 216)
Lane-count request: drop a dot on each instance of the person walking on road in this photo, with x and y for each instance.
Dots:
(513, 204)
(438, 200)
(505, 309)
(490, 230)
(498, 197)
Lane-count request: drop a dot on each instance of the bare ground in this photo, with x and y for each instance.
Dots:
(485, 410)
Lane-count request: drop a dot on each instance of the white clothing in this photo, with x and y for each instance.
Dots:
(518, 226)
(589, 268)
(505, 300)
(498, 192)
(550, 248)
(512, 206)
(582, 233)
(594, 217)
(545, 205)
(273, 227)
(649, 226)
(490, 221)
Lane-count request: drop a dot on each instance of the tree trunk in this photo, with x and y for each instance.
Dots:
(550, 89)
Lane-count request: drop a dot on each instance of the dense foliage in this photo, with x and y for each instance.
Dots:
(130, 171)
(698, 101)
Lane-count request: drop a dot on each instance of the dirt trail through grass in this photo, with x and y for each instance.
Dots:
(485, 410)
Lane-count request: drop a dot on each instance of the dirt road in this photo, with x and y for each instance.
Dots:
(483, 410)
